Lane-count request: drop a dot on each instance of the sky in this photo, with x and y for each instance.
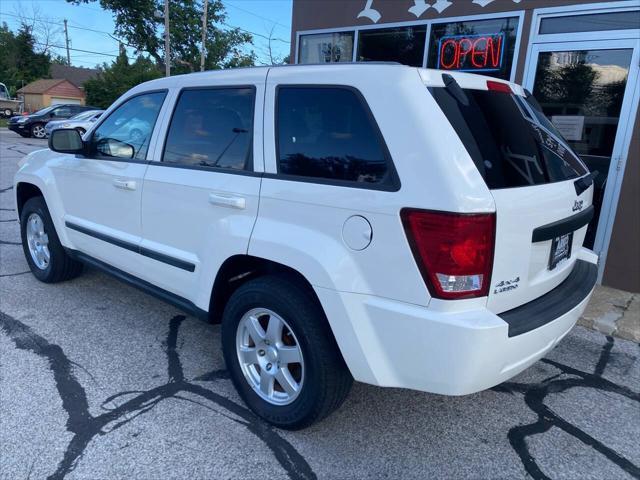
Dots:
(90, 26)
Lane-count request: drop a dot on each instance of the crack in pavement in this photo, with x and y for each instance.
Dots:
(534, 397)
(14, 274)
(86, 427)
(2, 190)
(5, 242)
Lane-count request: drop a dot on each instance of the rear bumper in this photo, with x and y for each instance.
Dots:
(394, 344)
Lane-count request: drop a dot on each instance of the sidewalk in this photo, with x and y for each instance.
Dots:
(613, 312)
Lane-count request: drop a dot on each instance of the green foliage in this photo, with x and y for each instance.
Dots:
(115, 79)
(141, 29)
(19, 63)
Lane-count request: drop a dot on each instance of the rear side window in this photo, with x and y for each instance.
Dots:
(212, 128)
(508, 145)
(329, 133)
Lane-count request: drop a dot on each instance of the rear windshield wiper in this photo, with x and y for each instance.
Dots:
(455, 89)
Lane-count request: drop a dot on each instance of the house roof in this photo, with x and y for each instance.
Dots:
(75, 75)
(41, 86)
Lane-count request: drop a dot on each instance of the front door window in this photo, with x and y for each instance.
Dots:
(581, 91)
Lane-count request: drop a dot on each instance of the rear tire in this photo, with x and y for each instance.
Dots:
(324, 379)
(45, 255)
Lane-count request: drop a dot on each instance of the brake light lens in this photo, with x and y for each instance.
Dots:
(454, 251)
(493, 86)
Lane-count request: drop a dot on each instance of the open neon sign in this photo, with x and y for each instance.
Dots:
(471, 53)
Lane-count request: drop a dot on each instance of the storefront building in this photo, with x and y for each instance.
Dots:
(580, 58)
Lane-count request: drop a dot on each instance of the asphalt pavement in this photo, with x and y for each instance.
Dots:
(100, 381)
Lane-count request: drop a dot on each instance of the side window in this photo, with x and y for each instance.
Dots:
(127, 130)
(61, 112)
(212, 128)
(328, 133)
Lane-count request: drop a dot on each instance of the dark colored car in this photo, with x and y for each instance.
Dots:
(33, 125)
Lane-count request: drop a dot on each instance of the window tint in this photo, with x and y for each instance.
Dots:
(404, 45)
(63, 112)
(129, 125)
(508, 146)
(212, 128)
(328, 133)
(326, 47)
(593, 22)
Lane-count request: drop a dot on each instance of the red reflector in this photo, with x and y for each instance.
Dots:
(454, 251)
(498, 87)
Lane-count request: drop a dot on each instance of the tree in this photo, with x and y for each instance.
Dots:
(137, 24)
(19, 62)
(115, 79)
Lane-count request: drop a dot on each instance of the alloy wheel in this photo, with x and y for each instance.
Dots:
(270, 356)
(38, 241)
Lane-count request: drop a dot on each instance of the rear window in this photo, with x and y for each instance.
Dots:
(508, 141)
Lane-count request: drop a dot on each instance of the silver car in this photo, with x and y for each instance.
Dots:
(81, 122)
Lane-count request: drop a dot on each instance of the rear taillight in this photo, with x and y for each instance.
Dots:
(454, 251)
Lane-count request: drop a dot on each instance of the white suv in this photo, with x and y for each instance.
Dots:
(401, 227)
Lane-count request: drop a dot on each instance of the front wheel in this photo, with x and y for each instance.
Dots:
(45, 254)
(281, 353)
(7, 113)
(38, 131)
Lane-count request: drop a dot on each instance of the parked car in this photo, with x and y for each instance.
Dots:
(401, 227)
(81, 122)
(33, 125)
(7, 105)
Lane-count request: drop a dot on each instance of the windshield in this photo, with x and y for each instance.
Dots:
(510, 141)
(84, 115)
(43, 111)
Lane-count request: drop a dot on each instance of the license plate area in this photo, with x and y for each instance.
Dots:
(560, 249)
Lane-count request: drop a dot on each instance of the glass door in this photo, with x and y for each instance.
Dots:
(586, 89)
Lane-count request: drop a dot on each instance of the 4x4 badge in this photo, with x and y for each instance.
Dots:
(577, 205)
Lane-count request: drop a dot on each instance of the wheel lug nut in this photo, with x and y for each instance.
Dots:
(261, 353)
(269, 366)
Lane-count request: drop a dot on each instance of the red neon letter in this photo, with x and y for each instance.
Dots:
(494, 52)
(455, 54)
(479, 52)
(462, 52)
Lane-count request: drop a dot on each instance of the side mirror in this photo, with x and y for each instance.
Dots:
(66, 140)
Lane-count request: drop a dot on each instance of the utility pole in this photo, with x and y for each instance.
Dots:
(66, 36)
(203, 53)
(167, 56)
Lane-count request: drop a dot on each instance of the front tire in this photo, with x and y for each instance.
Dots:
(38, 131)
(45, 255)
(281, 354)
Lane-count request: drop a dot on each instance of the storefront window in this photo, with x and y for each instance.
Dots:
(480, 46)
(404, 45)
(326, 48)
(595, 22)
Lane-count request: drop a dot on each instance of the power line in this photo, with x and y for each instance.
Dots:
(256, 15)
(20, 17)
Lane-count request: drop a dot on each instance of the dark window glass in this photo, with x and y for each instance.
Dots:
(480, 46)
(61, 112)
(328, 133)
(128, 127)
(594, 22)
(212, 128)
(326, 48)
(404, 45)
(509, 148)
